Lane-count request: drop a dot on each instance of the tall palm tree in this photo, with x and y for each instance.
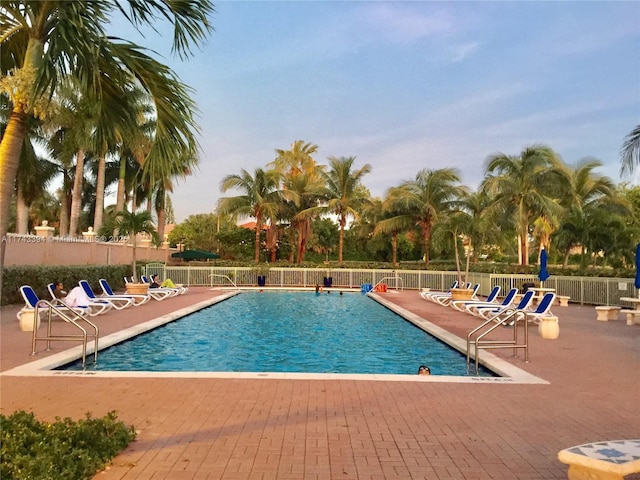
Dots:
(585, 194)
(131, 224)
(260, 199)
(630, 151)
(72, 121)
(426, 199)
(393, 220)
(345, 194)
(43, 42)
(34, 170)
(302, 177)
(527, 183)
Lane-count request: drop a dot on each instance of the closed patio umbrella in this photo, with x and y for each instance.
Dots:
(543, 274)
(637, 280)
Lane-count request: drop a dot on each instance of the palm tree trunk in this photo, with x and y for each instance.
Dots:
(64, 208)
(121, 193)
(524, 238)
(98, 215)
(426, 239)
(394, 248)
(302, 240)
(342, 222)
(162, 219)
(565, 261)
(22, 213)
(292, 241)
(256, 257)
(10, 148)
(76, 198)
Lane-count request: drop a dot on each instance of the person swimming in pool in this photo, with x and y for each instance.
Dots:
(424, 370)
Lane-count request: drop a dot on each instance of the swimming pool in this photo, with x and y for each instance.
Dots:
(286, 332)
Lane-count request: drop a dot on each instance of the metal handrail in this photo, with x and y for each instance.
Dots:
(396, 278)
(498, 320)
(70, 316)
(223, 276)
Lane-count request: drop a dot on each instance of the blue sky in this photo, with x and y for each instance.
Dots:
(409, 85)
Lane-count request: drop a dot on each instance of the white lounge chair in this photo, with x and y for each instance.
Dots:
(431, 294)
(172, 292)
(476, 308)
(124, 300)
(445, 300)
(543, 309)
(95, 307)
(463, 304)
(57, 307)
(497, 314)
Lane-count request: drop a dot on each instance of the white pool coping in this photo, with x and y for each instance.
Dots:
(510, 374)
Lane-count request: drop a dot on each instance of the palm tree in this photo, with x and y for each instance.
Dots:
(302, 178)
(630, 151)
(41, 43)
(35, 174)
(426, 199)
(393, 220)
(526, 183)
(131, 224)
(345, 194)
(260, 199)
(298, 159)
(585, 194)
(72, 121)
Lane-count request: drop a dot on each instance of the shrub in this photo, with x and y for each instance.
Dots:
(38, 276)
(63, 450)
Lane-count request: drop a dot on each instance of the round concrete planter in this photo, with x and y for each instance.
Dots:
(138, 288)
(26, 319)
(549, 328)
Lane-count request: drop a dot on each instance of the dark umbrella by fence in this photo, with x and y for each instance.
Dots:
(637, 281)
(543, 274)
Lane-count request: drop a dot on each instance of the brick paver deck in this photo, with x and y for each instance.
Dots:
(233, 429)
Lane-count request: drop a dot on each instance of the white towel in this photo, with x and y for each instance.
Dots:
(77, 298)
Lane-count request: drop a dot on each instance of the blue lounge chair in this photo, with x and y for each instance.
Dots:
(497, 314)
(475, 309)
(543, 309)
(56, 306)
(124, 300)
(95, 307)
(94, 298)
(463, 304)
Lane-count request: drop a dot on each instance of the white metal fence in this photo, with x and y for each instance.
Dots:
(583, 290)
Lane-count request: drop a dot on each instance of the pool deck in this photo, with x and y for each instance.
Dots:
(348, 428)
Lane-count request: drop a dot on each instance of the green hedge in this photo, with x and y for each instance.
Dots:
(38, 276)
(63, 450)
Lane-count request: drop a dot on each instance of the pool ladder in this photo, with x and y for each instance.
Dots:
(69, 316)
(514, 317)
(396, 279)
(223, 276)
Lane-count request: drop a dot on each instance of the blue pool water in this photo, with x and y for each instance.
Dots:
(286, 332)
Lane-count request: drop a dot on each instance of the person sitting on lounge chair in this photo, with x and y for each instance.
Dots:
(155, 282)
(59, 291)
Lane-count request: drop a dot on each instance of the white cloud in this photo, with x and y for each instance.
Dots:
(462, 51)
(401, 24)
